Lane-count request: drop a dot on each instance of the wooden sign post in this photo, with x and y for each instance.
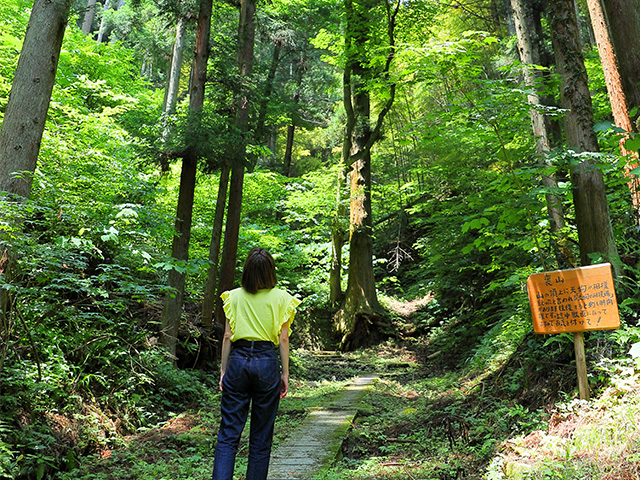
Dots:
(575, 301)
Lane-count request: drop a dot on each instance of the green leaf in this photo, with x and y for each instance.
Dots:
(475, 224)
(634, 351)
(11, 41)
(607, 126)
(110, 234)
(632, 143)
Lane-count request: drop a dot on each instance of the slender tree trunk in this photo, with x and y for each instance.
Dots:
(173, 84)
(338, 235)
(288, 152)
(88, 17)
(291, 128)
(268, 89)
(209, 302)
(180, 250)
(171, 92)
(246, 36)
(529, 49)
(102, 26)
(613, 78)
(590, 201)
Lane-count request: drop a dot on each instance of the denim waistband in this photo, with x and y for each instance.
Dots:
(251, 343)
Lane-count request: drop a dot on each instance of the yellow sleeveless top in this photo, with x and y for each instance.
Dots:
(260, 315)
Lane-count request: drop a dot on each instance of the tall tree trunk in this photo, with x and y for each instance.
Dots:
(291, 128)
(173, 84)
(338, 235)
(268, 89)
(209, 301)
(288, 151)
(180, 249)
(613, 78)
(360, 322)
(26, 112)
(172, 90)
(246, 36)
(592, 211)
(623, 17)
(102, 23)
(529, 42)
(88, 17)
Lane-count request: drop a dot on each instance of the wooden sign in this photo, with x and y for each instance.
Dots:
(573, 300)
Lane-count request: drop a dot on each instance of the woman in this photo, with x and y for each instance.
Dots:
(258, 319)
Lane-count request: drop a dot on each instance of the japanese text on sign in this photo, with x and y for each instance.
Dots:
(573, 300)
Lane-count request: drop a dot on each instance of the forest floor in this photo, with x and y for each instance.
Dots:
(426, 417)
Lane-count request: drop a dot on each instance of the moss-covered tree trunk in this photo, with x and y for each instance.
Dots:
(361, 320)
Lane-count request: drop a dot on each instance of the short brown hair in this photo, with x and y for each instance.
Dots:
(259, 270)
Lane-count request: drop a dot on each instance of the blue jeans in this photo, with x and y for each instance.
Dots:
(252, 377)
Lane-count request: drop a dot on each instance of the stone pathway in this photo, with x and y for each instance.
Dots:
(316, 442)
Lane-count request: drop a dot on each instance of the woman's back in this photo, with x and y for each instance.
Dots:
(260, 315)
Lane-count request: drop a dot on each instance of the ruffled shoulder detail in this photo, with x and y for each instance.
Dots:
(228, 311)
(289, 311)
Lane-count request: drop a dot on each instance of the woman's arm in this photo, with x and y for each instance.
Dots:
(226, 349)
(284, 359)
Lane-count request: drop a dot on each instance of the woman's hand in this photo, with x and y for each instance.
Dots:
(221, 377)
(284, 386)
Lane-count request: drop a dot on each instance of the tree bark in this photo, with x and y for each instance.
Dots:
(26, 112)
(623, 17)
(268, 89)
(338, 235)
(101, 29)
(360, 320)
(592, 211)
(172, 310)
(209, 301)
(288, 151)
(246, 37)
(620, 105)
(173, 84)
(291, 128)
(88, 17)
(529, 50)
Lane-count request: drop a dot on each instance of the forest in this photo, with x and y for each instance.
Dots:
(408, 163)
